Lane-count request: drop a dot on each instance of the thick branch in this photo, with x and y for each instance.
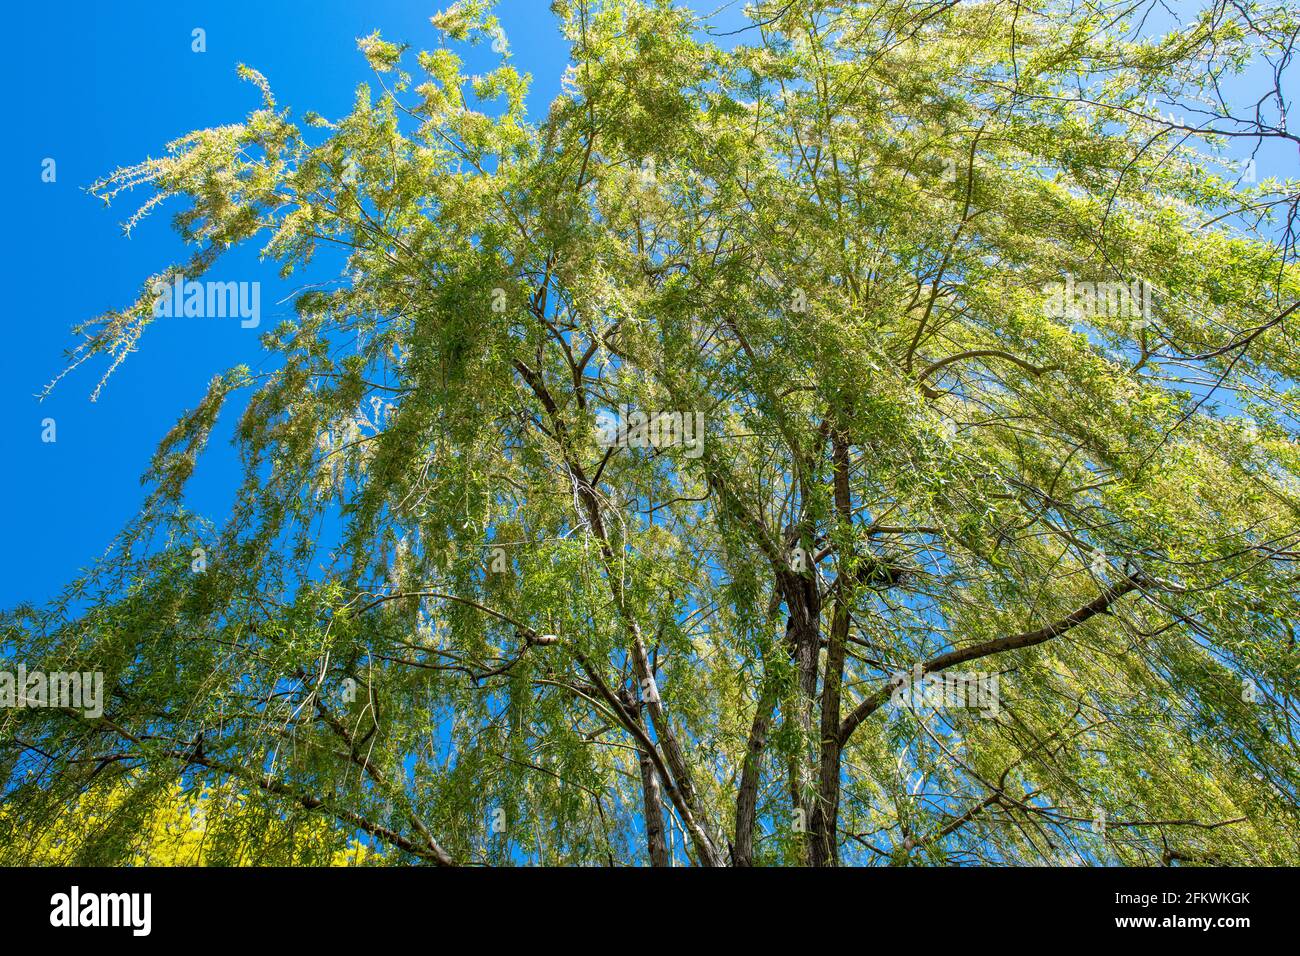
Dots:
(1099, 605)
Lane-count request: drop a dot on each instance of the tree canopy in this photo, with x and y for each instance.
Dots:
(987, 339)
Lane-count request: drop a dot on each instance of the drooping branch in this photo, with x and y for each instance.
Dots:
(679, 785)
(431, 850)
(980, 353)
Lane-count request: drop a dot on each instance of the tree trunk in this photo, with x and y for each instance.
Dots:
(656, 843)
(823, 836)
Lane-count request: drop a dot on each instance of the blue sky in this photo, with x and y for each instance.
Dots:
(104, 86)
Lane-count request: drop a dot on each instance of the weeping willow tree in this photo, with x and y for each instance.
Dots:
(867, 438)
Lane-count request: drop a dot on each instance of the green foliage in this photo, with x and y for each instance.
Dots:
(174, 827)
(446, 612)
